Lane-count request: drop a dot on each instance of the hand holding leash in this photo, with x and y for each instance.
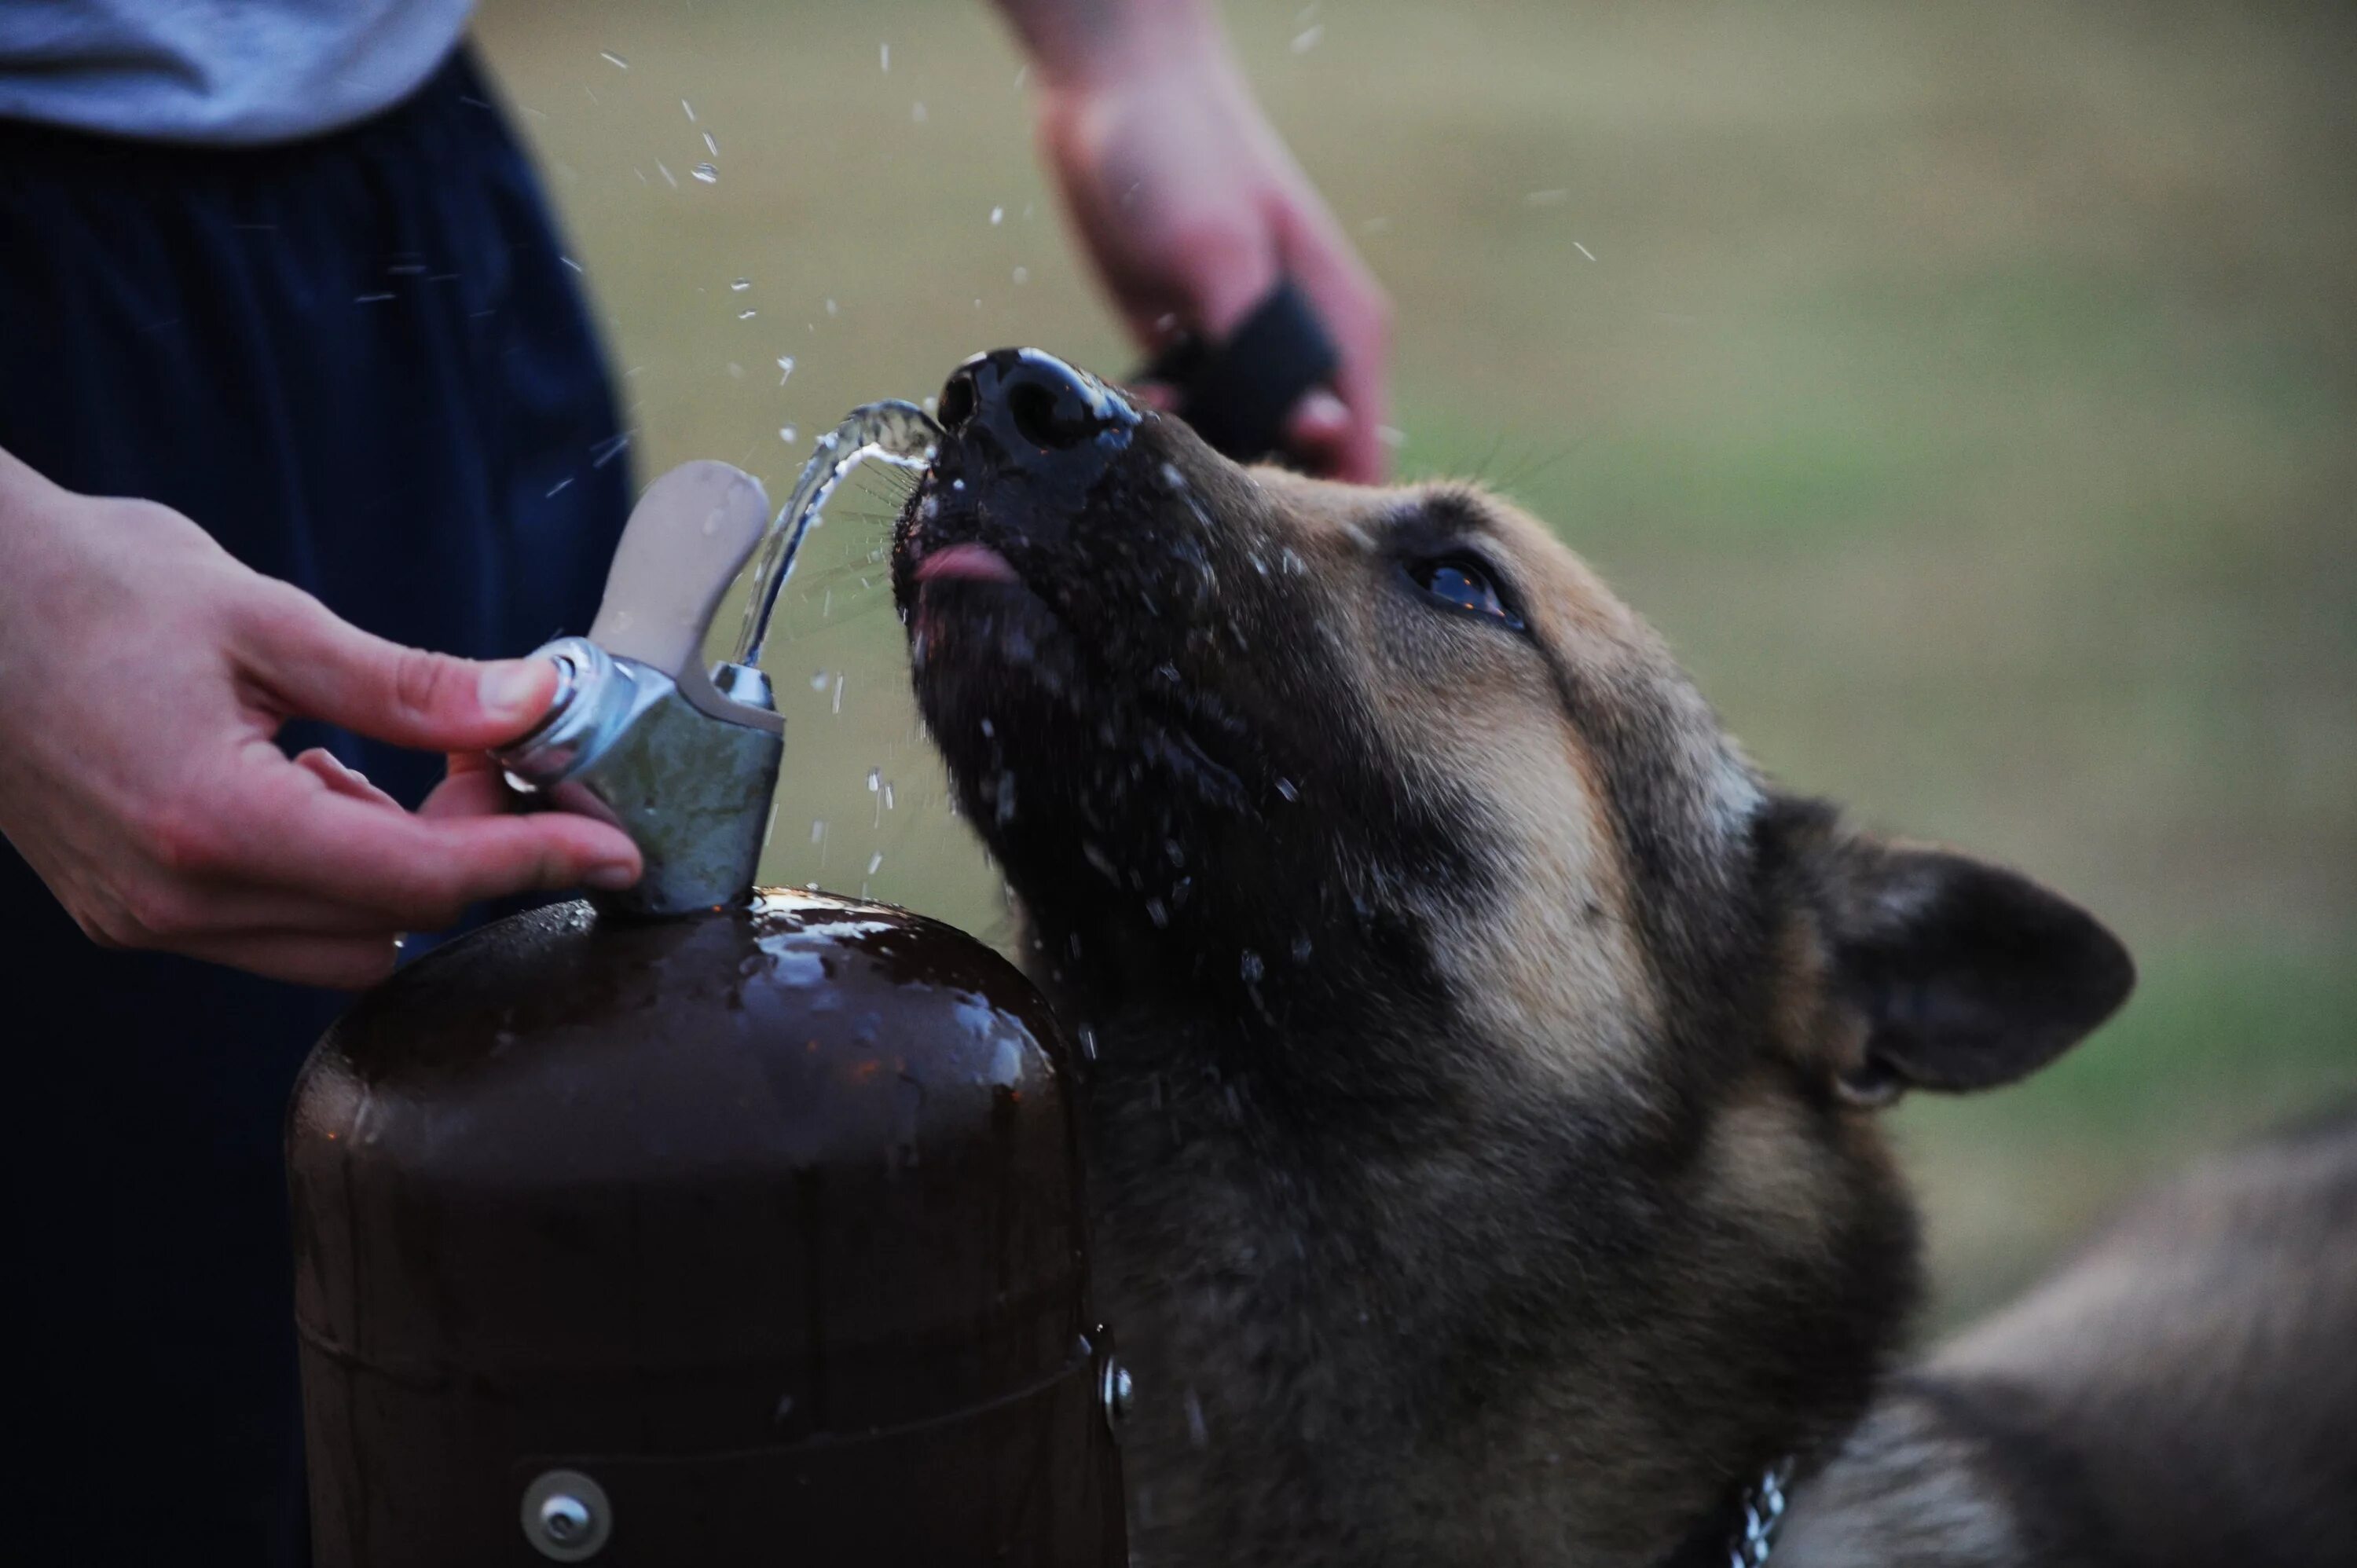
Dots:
(1240, 395)
(1201, 222)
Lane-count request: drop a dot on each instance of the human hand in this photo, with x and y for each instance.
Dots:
(143, 674)
(1194, 210)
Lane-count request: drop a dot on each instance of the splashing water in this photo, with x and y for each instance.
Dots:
(900, 433)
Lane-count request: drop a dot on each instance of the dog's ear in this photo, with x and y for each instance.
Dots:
(1920, 968)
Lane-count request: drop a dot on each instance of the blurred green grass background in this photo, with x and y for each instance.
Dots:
(1970, 393)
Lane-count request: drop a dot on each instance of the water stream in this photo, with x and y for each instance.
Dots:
(900, 433)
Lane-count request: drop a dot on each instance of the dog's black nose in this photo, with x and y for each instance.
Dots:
(1044, 418)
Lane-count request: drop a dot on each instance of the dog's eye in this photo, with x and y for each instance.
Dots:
(1463, 582)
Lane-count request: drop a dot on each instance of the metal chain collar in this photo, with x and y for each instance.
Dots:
(1762, 1514)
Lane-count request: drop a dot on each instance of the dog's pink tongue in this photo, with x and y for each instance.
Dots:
(969, 562)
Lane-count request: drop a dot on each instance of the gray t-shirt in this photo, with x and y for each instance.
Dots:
(229, 72)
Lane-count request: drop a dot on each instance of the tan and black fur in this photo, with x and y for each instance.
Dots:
(1485, 1058)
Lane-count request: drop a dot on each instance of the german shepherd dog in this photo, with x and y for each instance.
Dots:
(1482, 1062)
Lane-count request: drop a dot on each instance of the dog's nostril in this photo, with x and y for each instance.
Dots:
(957, 399)
(1020, 412)
(1051, 411)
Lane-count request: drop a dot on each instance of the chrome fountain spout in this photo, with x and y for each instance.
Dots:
(641, 735)
(900, 433)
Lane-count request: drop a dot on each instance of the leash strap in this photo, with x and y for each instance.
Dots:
(1237, 393)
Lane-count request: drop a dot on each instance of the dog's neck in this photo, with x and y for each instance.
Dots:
(1239, 1210)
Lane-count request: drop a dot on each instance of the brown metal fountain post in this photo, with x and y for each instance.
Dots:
(723, 1227)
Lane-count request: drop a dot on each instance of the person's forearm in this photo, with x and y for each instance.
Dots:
(1076, 41)
(29, 547)
(20, 487)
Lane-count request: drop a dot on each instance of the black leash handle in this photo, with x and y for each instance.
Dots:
(1237, 393)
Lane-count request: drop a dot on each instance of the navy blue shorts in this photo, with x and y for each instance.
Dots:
(363, 365)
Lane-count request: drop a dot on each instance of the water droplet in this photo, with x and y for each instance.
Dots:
(998, 215)
(1023, 274)
(568, 261)
(786, 433)
(884, 56)
(989, 729)
(665, 169)
(818, 680)
(1006, 1064)
(710, 145)
(1583, 250)
(838, 694)
(1158, 912)
(818, 829)
(917, 111)
(706, 173)
(1285, 786)
(610, 57)
(888, 796)
(690, 110)
(1250, 967)
(1307, 40)
(745, 315)
(830, 307)
(874, 779)
(1301, 949)
(1087, 1042)
(559, 485)
(785, 369)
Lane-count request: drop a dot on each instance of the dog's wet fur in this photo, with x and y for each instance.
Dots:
(1483, 1060)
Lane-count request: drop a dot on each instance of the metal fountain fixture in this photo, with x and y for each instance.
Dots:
(697, 1224)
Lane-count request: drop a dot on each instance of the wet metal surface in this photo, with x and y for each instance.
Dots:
(768, 1221)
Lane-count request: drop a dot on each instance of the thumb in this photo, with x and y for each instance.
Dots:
(315, 665)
